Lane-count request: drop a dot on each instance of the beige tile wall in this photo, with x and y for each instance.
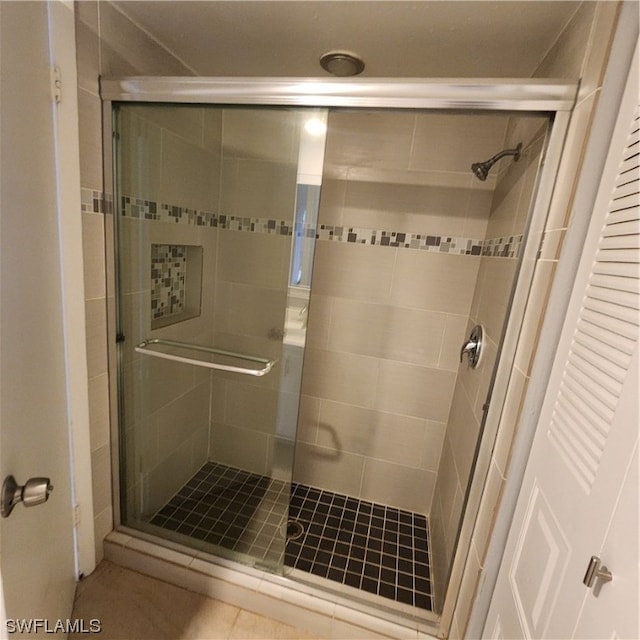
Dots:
(385, 324)
(167, 404)
(180, 156)
(581, 54)
(108, 44)
(250, 416)
(172, 156)
(260, 162)
(509, 208)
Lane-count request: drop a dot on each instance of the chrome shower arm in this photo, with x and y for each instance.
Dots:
(507, 152)
(481, 169)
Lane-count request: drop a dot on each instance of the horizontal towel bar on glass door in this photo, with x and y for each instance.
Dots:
(146, 348)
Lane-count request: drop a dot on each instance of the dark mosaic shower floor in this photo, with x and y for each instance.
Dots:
(374, 548)
(377, 549)
(235, 509)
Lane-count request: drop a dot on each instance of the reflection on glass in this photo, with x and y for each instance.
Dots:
(304, 233)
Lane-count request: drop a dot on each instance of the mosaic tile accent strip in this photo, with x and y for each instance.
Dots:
(508, 247)
(92, 201)
(378, 549)
(168, 279)
(149, 210)
(423, 241)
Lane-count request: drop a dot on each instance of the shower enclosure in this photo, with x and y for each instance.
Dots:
(298, 268)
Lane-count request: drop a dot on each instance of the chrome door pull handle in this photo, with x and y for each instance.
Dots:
(35, 491)
(594, 571)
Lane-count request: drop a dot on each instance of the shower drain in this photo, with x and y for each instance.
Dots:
(295, 530)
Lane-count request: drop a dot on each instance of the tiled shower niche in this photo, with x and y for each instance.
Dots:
(176, 283)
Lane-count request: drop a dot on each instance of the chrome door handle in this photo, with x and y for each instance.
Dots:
(594, 571)
(473, 347)
(35, 491)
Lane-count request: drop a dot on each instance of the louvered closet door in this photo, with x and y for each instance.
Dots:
(580, 492)
(606, 333)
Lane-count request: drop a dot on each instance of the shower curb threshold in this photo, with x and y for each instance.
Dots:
(326, 615)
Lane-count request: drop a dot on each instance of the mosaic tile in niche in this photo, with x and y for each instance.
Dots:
(168, 279)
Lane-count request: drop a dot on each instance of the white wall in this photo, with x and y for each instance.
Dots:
(108, 44)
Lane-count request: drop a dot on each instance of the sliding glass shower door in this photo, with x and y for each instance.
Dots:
(216, 211)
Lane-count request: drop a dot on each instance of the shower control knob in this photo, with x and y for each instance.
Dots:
(473, 347)
(35, 491)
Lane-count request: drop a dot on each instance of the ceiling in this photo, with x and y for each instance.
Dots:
(430, 38)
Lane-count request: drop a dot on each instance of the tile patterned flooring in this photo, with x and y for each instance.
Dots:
(131, 606)
(377, 549)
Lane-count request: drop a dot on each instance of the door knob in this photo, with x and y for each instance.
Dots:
(473, 347)
(35, 491)
(594, 571)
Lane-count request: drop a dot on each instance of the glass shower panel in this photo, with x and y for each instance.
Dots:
(213, 255)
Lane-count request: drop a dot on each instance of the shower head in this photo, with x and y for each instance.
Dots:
(481, 169)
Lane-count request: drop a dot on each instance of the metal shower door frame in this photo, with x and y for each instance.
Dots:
(555, 98)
